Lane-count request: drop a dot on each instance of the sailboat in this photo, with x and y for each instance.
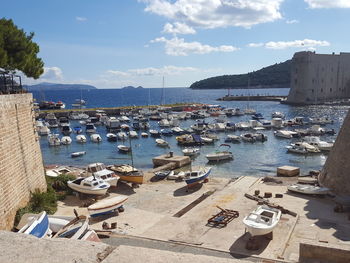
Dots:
(249, 110)
(79, 103)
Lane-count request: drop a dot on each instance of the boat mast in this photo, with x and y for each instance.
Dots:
(162, 95)
(248, 89)
(131, 154)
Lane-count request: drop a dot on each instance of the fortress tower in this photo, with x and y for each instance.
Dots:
(318, 78)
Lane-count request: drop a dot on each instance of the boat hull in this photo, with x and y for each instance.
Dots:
(193, 181)
(107, 206)
(96, 191)
(131, 178)
(38, 226)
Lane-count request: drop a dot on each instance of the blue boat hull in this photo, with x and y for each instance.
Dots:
(193, 181)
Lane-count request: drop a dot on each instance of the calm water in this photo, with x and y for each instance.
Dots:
(256, 159)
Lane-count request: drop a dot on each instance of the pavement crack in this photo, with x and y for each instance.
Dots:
(105, 253)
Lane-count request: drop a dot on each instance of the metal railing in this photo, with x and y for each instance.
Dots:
(10, 83)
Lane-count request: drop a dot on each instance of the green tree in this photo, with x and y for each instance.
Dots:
(18, 51)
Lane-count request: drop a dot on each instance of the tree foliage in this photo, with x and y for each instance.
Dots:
(278, 74)
(18, 51)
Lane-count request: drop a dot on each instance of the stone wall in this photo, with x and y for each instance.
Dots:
(21, 164)
(317, 78)
(335, 172)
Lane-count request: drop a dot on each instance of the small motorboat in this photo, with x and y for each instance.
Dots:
(95, 138)
(90, 128)
(257, 116)
(89, 185)
(194, 177)
(123, 148)
(277, 114)
(99, 171)
(66, 140)
(144, 134)
(37, 226)
(78, 130)
(220, 155)
(81, 138)
(133, 134)
(262, 220)
(166, 132)
(162, 143)
(315, 141)
(122, 136)
(125, 127)
(233, 138)
(308, 189)
(75, 229)
(163, 174)
(191, 151)
(54, 140)
(248, 137)
(107, 206)
(154, 133)
(111, 137)
(77, 154)
(66, 130)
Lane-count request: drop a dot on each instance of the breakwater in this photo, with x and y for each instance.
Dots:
(253, 98)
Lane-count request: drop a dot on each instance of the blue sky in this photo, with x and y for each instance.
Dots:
(115, 43)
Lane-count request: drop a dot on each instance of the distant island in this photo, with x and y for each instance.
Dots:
(132, 87)
(274, 76)
(54, 86)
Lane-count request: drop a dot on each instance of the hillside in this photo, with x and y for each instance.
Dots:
(276, 75)
(53, 86)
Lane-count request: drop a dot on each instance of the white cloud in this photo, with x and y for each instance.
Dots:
(293, 21)
(81, 19)
(178, 28)
(255, 44)
(216, 13)
(306, 43)
(328, 3)
(152, 71)
(52, 74)
(178, 47)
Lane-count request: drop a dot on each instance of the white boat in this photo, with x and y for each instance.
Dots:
(125, 127)
(284, 134)
(262, 220)
(58, 171)
(164, 123)
(297, 149)
(89, 185)
(80, 138)
(111, 137)
(161, 142)
(321, 121)
(315, 141)
(308, 189)
(220, 155)
(277, 114)
(133, 134)
(123, 148)
(107, 206)
(144, 134)
(90, 128)
(43, 130)
(310, 148)
(99, 171)
(190, 151)
(316, 130)
(194, 177)
(66, 140)
(124, 119)
(154, 133)
(249, 111)
(122, 136)
(95, 138)
(277, 123)
(37, 226)
(206, 139)
(243, 125)
(54, 140)
(248, 137)
(75, 229)
(77, 154)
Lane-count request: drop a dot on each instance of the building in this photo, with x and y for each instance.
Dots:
(318, 78)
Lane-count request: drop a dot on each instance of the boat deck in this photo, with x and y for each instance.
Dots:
(152, 213)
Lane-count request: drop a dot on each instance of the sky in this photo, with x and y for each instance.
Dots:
(116, 43)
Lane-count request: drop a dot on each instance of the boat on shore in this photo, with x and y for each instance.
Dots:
(37, 226)
(308, 189)
(262, 220)
(196, 176)
(89, 185)
(107, 206)
(99, 171)
(163, 174)
(75, 229)
(127, 173)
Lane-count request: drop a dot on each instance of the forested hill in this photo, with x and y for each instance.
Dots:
(276, 75)
(54, 86)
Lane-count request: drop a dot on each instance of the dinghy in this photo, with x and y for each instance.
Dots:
(37, 226)
(77, 154)
(190, 151)
(81, 138)
(162, 143)
(308, 189)
(262, 220)
(66, 140)
(95, 138)
(111, 137)
(123, 148)
(220, 155)
(127, 173)
(107, 206)
(163, 174)
(75, 229)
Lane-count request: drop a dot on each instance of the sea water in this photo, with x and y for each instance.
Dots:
(257, 159)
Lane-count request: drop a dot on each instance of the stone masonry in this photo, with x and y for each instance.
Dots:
(318, 78)
(21, 164)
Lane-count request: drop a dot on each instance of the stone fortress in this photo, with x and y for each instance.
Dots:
(319, 78)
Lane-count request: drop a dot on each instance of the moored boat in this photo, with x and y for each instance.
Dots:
(81, 138)
(95, 138)
(220, 155)
(162, 143)
(77, 154)
(190, 151)
(123, 148)
(111, 137)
